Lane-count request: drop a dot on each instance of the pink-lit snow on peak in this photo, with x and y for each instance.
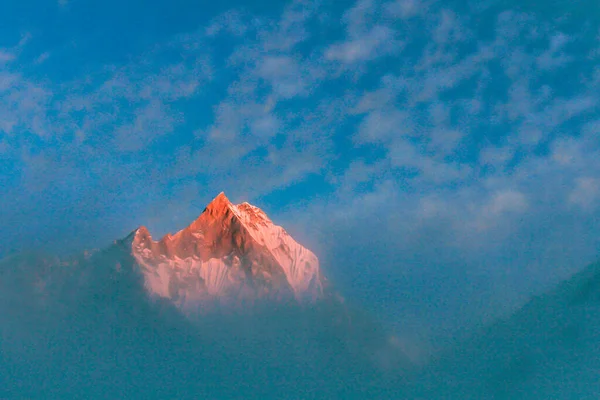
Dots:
(230, 252)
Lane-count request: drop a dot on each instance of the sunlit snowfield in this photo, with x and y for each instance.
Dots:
(439, 157)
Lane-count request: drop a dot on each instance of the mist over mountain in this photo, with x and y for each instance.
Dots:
(232, 307)
(548, 349)
(97, 325)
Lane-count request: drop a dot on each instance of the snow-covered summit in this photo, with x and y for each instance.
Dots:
(229, 253)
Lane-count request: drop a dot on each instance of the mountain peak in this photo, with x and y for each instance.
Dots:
(219, 205)
(219, 200)
(229, 251)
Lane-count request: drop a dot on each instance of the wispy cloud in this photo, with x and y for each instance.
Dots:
(586, 193)
(134, 100)
(6, 57)
(42, 57)
(502, 203)
(367, 36)
(362, 47)
(406, 9)
(25, 105)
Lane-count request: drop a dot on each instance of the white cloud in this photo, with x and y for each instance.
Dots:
(567, 151)
(374, 100)
(25, 105)
(231, 22)
(586, 193)
(506, 201)
(357, 172)
(444, 141)
(448, 28)
(494, 192)
(361, 15)
(406, 9)
(377, 42)
(403, 153)
(357, 206)
(290, 29)
(443, 172)
(283, 74)
(266, 126)
(383, 126)
(130, 105)
(42, 57)
(431, 207)
(367, 36)
(150, 122)
(252, 130)
(496, 156)
(6, 56)
(554, 56)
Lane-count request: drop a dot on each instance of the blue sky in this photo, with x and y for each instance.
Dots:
(440, 156)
